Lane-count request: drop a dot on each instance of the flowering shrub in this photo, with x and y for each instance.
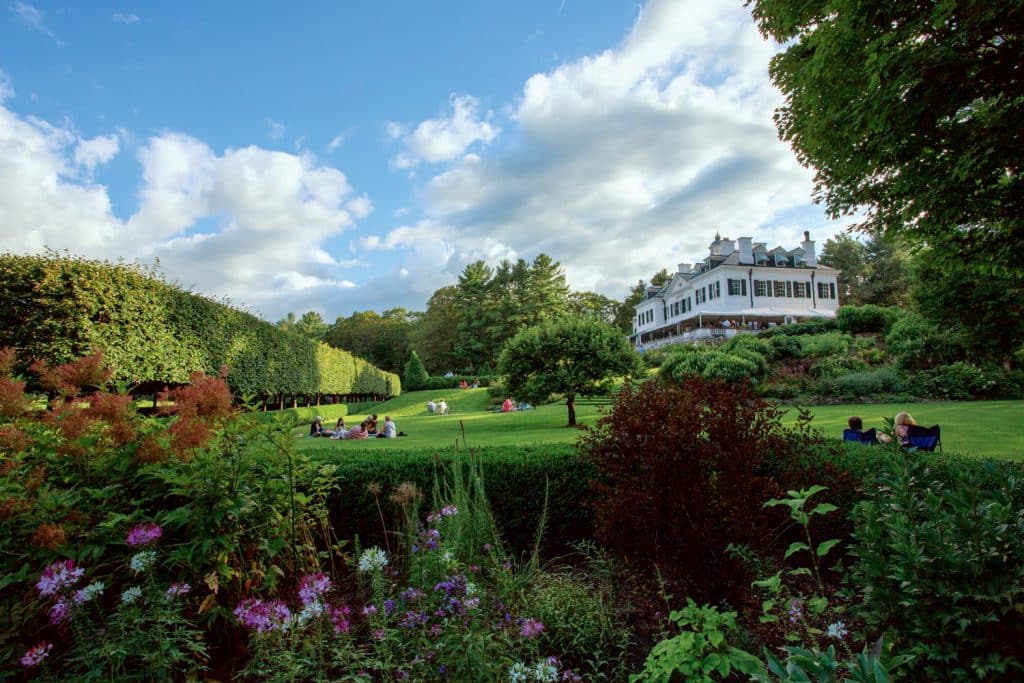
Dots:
(146, 629)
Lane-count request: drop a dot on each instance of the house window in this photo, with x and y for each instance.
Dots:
(789, 289)
(801, 290)
(718, 289)
(822, 290)
(761, 288)
(780, 288)
(831, 290)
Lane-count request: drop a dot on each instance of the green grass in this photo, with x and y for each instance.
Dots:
(976, 428)
(467, 408)
(984, 429)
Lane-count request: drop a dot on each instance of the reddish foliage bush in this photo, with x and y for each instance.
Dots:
(12, 397)
(70, 378)
(198, 407)
(13, 440)
(683, 472)
(117, 412)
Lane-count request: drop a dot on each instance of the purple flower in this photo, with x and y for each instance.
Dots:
(263, 616)
(401, 675)
(313, 586)
(36, 655)
(389, 607)
(60, 612)
(473, 568)
(176, 590)
(436, 630)
(413, 619)
(60, 574)
(530, 628)
(143, 534)
(449, 511)
(369, 610)
(415, 548)
(412, 594)
(380, 634)
(796, 610)
(487, 547)
(90, 592)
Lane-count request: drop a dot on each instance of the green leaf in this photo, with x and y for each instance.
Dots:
(826, 546)
(824, 508)
(795, 547)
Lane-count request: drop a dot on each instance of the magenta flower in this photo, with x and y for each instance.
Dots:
(60, 574)
(530, 628)
(312, 587)
(36, 655)
(143, 534)
(340, 618)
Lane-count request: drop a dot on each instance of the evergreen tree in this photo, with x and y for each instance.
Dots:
(415, 374)
(434, 334)
(472, 305)
(546, 293)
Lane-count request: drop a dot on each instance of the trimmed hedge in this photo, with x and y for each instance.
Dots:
(153, 333)
(515, 477)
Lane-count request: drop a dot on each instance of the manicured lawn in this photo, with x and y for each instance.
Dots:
(975, 428)
(467, 408)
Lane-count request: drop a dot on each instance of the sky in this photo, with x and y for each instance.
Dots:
(339, 157)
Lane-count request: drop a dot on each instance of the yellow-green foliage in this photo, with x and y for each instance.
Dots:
(60, 308)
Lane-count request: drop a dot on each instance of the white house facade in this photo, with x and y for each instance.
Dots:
(739, 285)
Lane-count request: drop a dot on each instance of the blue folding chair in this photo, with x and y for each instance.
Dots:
(924, 438)
(866, 437)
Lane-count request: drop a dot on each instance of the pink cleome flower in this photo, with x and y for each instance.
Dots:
(313, 586)
(530, 628)
(143, 534)
(36, 655)
(60, 574)
(263, 616)
(177, 589)
(340, 618)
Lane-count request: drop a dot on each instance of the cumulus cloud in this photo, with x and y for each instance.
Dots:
(251, 224)
(629, 160)
(447, 137)
(122, 18)
(6, 88)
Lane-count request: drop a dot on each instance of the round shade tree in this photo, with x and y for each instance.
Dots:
(568, 356)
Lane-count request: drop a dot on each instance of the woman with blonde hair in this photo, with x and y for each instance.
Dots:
(901, 430)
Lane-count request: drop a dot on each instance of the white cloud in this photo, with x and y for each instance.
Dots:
(251, 224)
(445, 138)
(34, 18)
(275, 130)
(122, 18)
(340, 139)
(627, 161)
(99, 150)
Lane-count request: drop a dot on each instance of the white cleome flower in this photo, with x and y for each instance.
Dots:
(142, 561)
(519, 673)
(373, 559)
(131, 595)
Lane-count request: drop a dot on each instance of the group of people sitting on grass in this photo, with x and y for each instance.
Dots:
(901, 430)
(367, 429)
(463, 384)
(510, 406)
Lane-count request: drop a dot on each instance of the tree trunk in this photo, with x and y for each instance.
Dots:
(570, 402)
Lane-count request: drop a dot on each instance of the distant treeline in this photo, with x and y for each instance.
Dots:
(59, 308)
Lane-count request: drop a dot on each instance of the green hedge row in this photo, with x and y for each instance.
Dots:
(515, 477)
(60, 308)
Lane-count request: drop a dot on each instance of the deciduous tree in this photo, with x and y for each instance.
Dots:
(569, 356)
(911, 110)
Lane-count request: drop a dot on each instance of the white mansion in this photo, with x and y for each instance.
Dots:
(740, 284)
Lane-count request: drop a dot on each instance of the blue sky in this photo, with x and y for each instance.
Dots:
(349, 156)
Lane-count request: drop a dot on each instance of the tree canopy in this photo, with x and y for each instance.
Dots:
(910, 110)
(568, 356)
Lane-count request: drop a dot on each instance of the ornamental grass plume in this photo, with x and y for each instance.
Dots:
(406, 494)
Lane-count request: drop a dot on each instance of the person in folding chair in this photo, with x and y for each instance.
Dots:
(855, 432)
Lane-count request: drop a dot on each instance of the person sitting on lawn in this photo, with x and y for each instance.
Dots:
(316, 429)
(358, 432)
(431, 407)
(442, 407)
(340, 429)
(390, 430)
(506, 405)
(371, 425)
(463, 384)
(901, 431)
(856, 423)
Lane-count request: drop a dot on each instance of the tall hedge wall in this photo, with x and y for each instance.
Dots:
(60, 308)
